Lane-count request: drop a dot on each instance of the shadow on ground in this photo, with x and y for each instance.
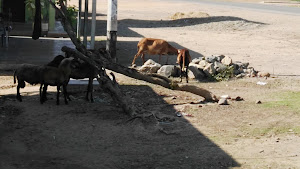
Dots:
(125, 24)
(126, 50)
(86, 135)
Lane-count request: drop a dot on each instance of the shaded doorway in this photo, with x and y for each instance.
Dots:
(16, 8)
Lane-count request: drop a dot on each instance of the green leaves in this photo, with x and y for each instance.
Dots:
(225, 75)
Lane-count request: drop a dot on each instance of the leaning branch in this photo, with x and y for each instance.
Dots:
(151, 78)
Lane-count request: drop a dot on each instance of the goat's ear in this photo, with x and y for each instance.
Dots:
(178, 51)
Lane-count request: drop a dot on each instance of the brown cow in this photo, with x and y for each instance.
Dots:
(154, 47)
(184, 59)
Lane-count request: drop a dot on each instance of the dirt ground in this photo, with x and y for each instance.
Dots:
(243, 134)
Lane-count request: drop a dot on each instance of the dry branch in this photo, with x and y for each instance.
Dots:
(100, 62)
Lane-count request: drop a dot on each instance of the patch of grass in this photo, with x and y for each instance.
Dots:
(276, 130)
(290, 100)
(224, 75)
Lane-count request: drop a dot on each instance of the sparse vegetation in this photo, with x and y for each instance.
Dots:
(225, 75)
(288, 100)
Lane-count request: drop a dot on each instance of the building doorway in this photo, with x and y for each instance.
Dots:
(16, 8)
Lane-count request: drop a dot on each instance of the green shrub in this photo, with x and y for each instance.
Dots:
(225, 75)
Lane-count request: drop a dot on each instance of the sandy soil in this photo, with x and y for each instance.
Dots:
(85, 135)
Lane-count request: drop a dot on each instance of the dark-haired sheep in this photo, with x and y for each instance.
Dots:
(27, 73)
(56, 77)
(80, 71)
(45, 75)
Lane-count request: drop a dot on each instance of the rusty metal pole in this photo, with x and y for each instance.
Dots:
(112, 28)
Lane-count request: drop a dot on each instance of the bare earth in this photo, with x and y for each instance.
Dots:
(243, 134)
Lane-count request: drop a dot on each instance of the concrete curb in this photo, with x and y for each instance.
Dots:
(9, 66)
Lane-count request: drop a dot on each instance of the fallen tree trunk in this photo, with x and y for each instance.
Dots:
(99, 62)
(151, 78)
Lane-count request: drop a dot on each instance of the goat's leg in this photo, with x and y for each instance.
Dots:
(143, 57)
(57, 95)
(90, 90)
(186, 74)
(181, 72)
(44, 94)
(135, 57)
(18, 93)
(41, 94)
(65, 93)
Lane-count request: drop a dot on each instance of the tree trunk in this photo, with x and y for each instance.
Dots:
(37, 30)
(99, 62)
(151, 78)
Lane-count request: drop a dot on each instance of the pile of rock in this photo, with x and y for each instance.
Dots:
(166, 70)
(204, 67)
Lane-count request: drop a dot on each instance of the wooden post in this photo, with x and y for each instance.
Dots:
(112, 27)
(79, 19)
(93, 30)
(85, 22)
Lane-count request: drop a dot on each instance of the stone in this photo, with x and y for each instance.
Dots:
(223, 102)
(195, 72)
(219, 66)
(176, 71)
(226, 60)
(238, 98)
(257, 102)
(220, 57)
(150, 67)
(225, 96)
(197, 60)
(167, 70)
(211, 59)
(241, 75)
(202, 64)
(241, 65)
(209, 69)
(263, 74)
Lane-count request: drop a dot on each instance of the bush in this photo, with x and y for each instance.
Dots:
(224, 75)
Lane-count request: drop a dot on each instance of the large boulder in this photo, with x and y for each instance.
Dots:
(150, 67)
(195, 72)
(211, 59)
(214, 58)
(219, 66)
(197, 60)
(202, 64)
(209, 70)
(169, 70)
(226, 60)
